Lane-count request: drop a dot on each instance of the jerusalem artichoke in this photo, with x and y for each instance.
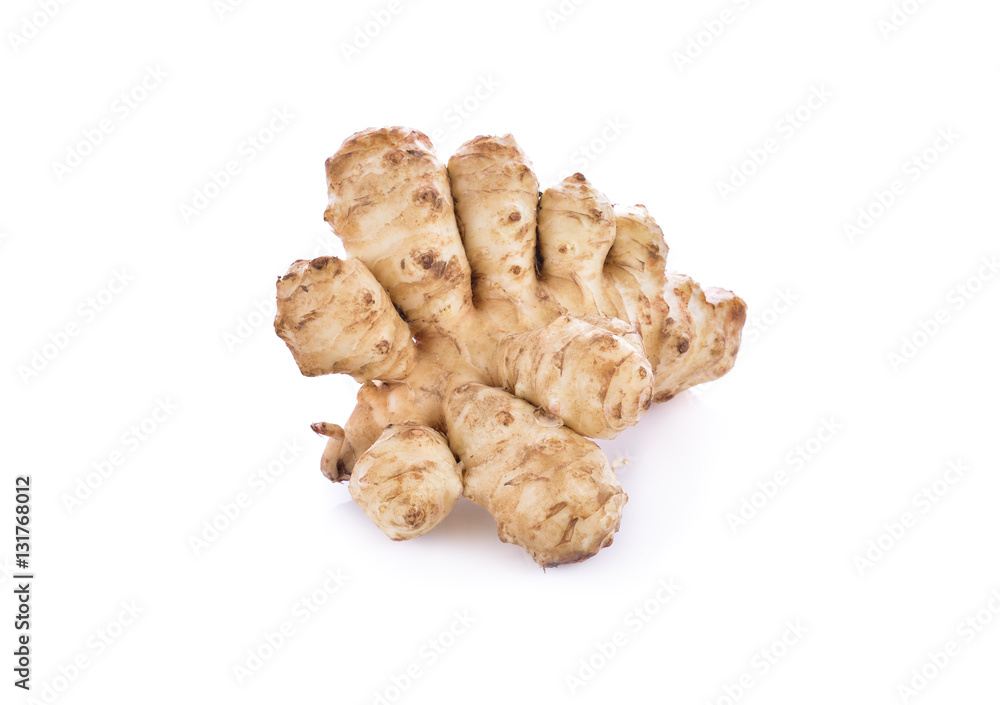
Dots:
(534, 322)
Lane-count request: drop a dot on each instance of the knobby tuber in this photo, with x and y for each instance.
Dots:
(492, 332)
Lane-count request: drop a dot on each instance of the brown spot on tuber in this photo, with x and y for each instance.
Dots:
(568, 534)
(427, 196)
(555, 509)
(382, 347)
(683, 345)
(366, 298)
(415, 516)
(530, 477)
(504, 418)
(514, 217)
(454, 270)
(606, 342)
(308, 317)
(604, 495)
(515, 270)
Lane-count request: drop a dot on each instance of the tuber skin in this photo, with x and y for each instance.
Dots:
(530, 323)
(339, 319)
(407, 481)
(551, 491)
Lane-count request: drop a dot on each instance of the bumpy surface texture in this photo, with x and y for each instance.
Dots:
(492, 331)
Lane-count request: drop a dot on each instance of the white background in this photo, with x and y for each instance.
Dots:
(185, 330)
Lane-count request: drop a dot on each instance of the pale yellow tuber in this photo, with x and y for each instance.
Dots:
(496, 326)
(408, 480)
